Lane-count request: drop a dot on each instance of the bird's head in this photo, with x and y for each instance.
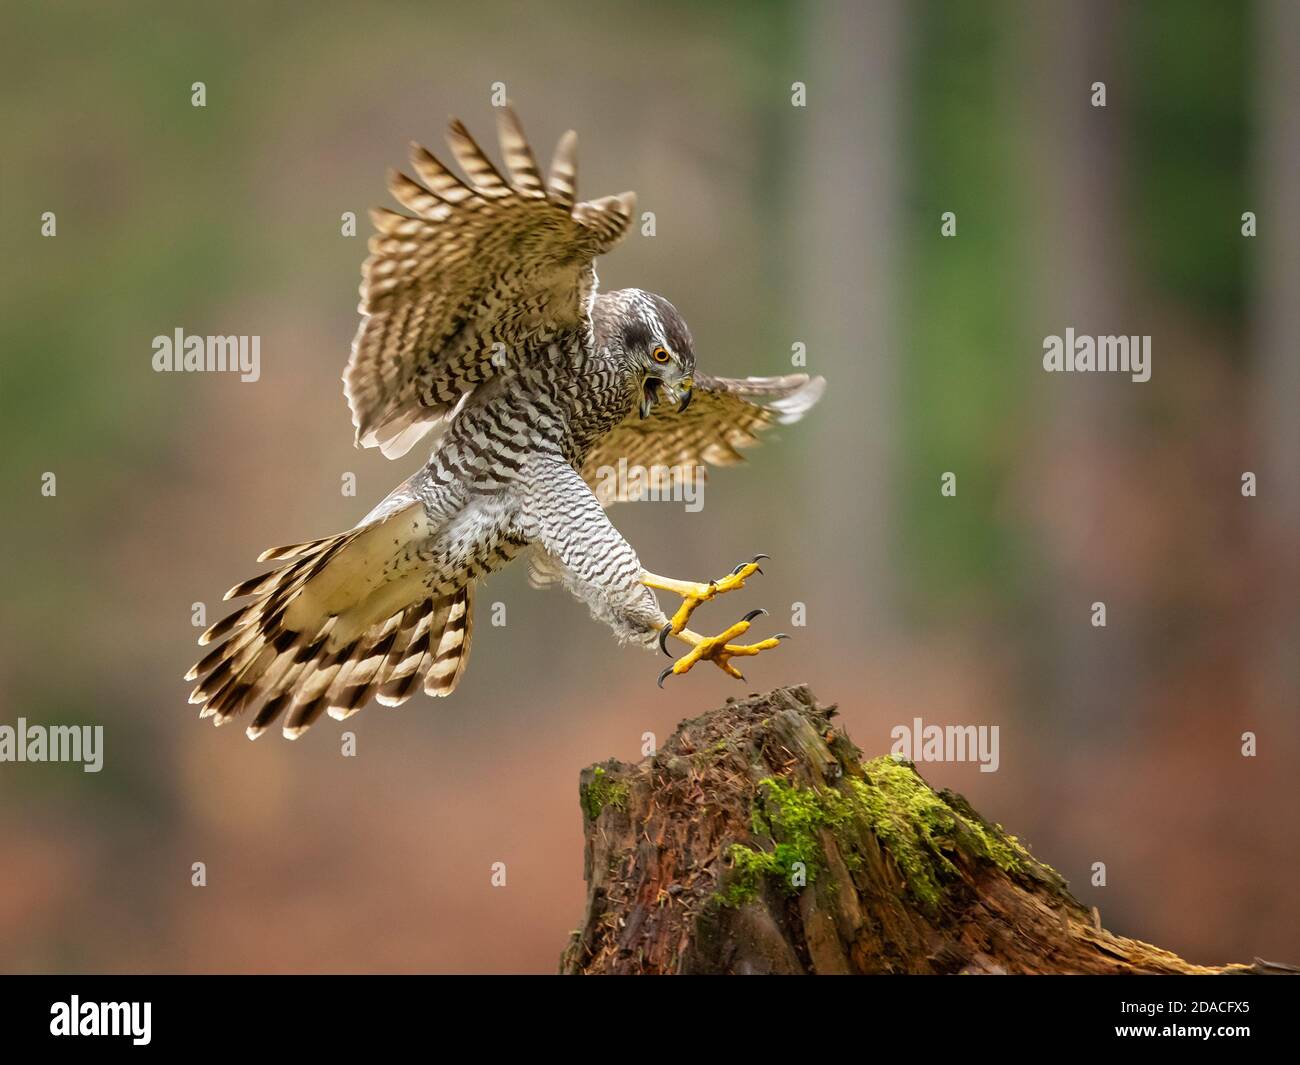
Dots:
(652, 338)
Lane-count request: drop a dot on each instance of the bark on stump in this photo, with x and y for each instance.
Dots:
(757, 840)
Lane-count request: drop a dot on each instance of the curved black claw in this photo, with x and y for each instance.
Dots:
(742, 565)
(756, 612)
(664, 675)
(663, 639)
(782, 636)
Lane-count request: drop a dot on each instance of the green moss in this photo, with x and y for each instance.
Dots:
(748, 868)
(796, 815)
(602, 792)
(791, 817)
(918, 828)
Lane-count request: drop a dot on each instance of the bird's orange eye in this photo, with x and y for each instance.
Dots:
(660, 355)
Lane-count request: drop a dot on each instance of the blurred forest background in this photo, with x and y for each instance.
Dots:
(775, 225)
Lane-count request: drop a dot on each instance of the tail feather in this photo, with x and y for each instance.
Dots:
(395, 650)
(251, 673)
(335, 625)
(313, 686)
(280, 554)
(274, 589)
(331, 684)
(281, 682)
(355, 687)
(409, 668)
(452, 654)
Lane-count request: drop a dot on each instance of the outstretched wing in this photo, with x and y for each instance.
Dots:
(489, 266)
(725, 415)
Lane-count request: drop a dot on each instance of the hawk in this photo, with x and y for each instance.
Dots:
(483, 333)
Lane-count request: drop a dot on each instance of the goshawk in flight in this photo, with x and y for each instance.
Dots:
(482, 330)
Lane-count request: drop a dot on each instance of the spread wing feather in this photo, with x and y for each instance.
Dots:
(489, 265)
(725, 415)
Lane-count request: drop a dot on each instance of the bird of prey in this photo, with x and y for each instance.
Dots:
(482, 331)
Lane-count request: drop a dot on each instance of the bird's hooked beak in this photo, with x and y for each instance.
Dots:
(680, 394)
(688, 390)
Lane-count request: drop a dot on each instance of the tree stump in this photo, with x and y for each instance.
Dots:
(757, 840)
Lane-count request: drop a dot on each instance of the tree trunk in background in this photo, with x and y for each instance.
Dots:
(1276, 368)
(694, 858)
(844, 198)
(1073, 152)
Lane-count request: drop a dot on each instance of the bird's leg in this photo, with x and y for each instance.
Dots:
(694, 593)
(716, 649)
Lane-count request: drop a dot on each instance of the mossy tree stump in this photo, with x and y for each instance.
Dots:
(758, 841)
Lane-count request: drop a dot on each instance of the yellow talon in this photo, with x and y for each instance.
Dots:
(694, 593)
(717, 649)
